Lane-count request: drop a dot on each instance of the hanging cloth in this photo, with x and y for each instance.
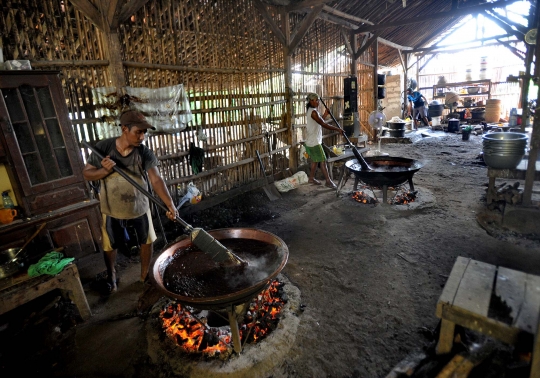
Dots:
(196, 158)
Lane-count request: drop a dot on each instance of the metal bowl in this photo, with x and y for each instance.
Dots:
(10, 264)
(502, 162)
(504, 136)
(273, 265)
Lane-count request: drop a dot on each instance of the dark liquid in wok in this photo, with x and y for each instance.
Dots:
(192, 273)
(383, 167)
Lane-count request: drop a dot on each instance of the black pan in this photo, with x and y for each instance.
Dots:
(386, 170)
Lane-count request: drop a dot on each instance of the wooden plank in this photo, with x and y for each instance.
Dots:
(535, 363)
(529, 316)
(474, 291)
(452, 283)
(480, 323)
(510, 287)
(14, 296)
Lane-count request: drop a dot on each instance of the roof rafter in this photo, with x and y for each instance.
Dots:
(89, 11)
(130, 8)
(450, 14)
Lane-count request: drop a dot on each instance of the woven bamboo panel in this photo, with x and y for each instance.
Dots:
(223, 52)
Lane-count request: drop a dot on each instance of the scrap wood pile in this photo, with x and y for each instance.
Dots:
(506, 194)
(473, 356)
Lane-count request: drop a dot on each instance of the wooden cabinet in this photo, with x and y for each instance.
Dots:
(44, 164)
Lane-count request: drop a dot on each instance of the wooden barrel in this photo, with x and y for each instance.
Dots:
(493, 110)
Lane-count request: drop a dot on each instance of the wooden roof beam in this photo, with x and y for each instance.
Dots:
(366, 45)
(508, 28)
(130, 9)
(306, 4)
(347, 16)
(89, 11)
(521, 28)
(431, 48)
(113, 13)
(520, 54)
(270, 21)
(451, 14)
(306, 24)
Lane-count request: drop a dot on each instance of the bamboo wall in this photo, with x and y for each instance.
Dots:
(224, 54)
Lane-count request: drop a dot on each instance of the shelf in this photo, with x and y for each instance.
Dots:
(484, 85)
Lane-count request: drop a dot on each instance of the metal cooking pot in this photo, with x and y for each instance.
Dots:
(273, 266)
(10, 262)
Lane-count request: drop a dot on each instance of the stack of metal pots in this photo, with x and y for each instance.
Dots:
(504, 150)
(397, 127)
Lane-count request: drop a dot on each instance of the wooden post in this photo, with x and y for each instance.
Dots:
(375, 77)
(357, 128)
(535, 135)
(289, 105)
(113, 49)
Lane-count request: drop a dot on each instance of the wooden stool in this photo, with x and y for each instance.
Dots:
(466, 299)
(19, 289)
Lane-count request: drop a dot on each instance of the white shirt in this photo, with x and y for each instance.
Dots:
(313, 129)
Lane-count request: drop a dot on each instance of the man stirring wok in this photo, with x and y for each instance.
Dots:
(123, 205)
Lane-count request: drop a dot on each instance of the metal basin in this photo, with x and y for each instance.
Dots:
(387, 170)
(273, 264)
(8, 266)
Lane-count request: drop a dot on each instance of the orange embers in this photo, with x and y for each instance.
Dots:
(194, 335)
(262, 316)
(404, 198)
(363, 198)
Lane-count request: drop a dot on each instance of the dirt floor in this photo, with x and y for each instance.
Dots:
(369, 275)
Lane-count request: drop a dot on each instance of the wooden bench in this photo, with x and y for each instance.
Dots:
(20, 289)
(466, 300)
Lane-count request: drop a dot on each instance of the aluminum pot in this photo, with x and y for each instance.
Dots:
(10, 262)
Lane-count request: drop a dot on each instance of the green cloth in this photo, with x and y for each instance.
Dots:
(316, 153)
(52, 263)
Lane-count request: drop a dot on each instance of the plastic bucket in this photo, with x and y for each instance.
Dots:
(453, 125)
(435, 110)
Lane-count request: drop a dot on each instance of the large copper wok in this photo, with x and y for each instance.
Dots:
(387, 170)
(272, 268)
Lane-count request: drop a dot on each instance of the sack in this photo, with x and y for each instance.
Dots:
(292, 182)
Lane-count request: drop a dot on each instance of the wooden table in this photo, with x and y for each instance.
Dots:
(516, 174)
(19, 289)
(345, 156)
(467, 297)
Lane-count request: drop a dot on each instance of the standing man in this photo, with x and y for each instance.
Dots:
(313, 141)
(123, 205)
(419, 101)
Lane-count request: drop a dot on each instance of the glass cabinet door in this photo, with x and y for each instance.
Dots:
(38, 132)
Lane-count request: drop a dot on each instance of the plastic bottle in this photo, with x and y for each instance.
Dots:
(512, 122)
(7, 201)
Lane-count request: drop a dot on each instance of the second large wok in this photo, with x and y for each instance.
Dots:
(387, 170)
